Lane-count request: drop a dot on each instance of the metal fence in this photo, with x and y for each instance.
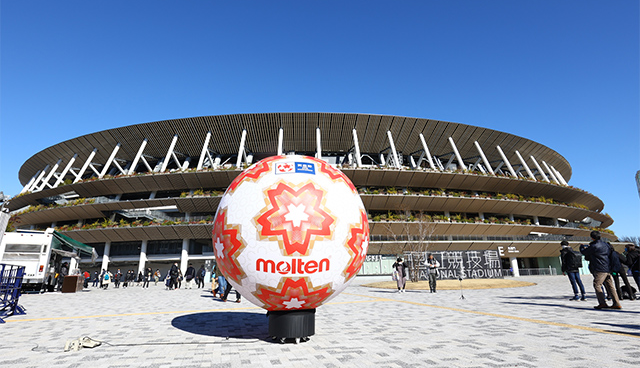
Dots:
(10, 284)
(532, 272)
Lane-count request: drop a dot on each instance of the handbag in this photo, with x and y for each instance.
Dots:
(394, 276)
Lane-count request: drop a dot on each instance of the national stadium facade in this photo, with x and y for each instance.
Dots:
(144, 195)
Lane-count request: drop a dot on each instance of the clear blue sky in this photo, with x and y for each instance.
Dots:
(562, 73)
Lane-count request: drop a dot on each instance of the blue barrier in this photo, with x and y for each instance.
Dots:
(10, 284)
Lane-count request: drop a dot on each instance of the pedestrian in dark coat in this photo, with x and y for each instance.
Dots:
(599, 255)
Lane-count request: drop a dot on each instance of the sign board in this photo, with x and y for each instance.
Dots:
(483, 264)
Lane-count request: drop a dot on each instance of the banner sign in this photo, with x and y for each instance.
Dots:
(484, 264)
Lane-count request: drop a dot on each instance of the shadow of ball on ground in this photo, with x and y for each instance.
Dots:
(237, 325)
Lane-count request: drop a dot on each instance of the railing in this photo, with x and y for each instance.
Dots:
(532, 272)
(548, 237)
(10, 284)
(147, 213)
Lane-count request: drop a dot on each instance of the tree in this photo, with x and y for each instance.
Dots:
(416, 229)
(630, 239)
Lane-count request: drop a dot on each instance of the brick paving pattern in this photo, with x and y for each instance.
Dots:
(534, 326)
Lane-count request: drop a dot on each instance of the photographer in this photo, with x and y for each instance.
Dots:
(598, 253)
(432, 265)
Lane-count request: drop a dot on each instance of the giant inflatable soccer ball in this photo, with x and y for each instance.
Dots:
(290, 233)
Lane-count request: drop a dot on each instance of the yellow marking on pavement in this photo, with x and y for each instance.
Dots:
(371, 299)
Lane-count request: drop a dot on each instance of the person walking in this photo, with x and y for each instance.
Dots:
(189, 276)
(621, 272)
(108, 277)
(432, 266)
(633, 262)
(222, 282)
(200, 277)
(156, 276)
(599, 255)
(173, 273)
(87, 276)
(148, 274)
(96, 279)
(117, 278)
(214, 282)
(227, 290)
(400, 270)
(180, 278)
(102, 278)
(571, 263)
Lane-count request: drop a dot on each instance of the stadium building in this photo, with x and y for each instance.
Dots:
(144, 195)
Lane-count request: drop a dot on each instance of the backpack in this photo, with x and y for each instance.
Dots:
(577, 259)
(572, 259)
(203, 273)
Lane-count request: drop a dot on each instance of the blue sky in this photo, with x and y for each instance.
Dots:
(562, 73)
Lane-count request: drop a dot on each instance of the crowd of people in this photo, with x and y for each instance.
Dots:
(172, 280)
(607, 267)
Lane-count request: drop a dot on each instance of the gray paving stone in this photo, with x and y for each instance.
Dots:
(536, 326)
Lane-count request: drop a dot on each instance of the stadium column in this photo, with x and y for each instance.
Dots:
(107, 165)
(318, 144)
(535, 162)
(506, 162)
(558, 175)
(105, 256)
(395, 162)
(143, 256)
(553, 176)
(84, 167)
(134, 163)
(280, 137)
(526, 167)
(356, 146)
(66, 169)
(243, 139)
(165, 162)
(34, 186)
(484, 158)
(536, 220)
(514, 266)
(457, 153)
(184, 256)
(31, 181)
(205, 152)
(426, 152)
(53, 171)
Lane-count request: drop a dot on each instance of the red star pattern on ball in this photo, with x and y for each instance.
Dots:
(292, 294)
(253, 173)
(227, 245)
(333, 173)
(295, 218)
(357, 245)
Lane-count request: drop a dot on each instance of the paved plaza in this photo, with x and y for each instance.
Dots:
(535, 326)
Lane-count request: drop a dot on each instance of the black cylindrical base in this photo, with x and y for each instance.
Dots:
(292, 324)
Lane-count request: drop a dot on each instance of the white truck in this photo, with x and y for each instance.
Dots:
(34, 249)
